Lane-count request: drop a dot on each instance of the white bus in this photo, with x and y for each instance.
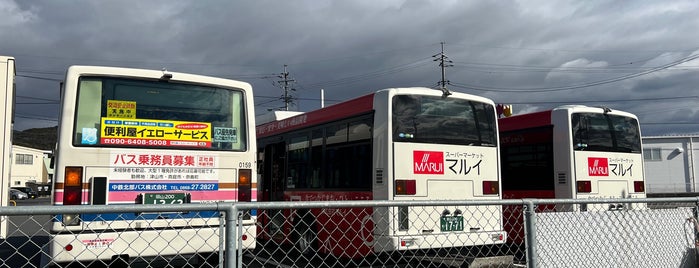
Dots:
(7, 98)
(394, 144)
(133, 136)
(570, 152)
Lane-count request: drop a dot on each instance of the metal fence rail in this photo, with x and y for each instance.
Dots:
(656, 232)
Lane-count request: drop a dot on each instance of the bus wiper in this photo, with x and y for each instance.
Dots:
(481, 143)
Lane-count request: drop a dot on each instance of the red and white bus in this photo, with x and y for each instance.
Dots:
(570, 152)
(394, 144)
(133, 136)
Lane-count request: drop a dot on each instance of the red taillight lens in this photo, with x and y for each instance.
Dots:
(71, 197)
(245, 185)
(639, 187)
(584, 186)
(73, 186)
(491, 187)
(405, 187)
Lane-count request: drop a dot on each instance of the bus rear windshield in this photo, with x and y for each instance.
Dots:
(605, 132)
(114, 112)
(433, 119)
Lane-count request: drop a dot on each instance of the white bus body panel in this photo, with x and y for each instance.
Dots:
(142, 243)
(459, 176)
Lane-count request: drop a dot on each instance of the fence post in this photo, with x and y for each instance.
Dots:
(221, 237)
(530, 231)
(231, 237)
(695, 215)
(239, 241)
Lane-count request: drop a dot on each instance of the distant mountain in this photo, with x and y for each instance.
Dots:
(37, 138)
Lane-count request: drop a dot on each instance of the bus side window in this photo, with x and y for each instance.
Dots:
(298, 154)
(89, 109)
(316, 158)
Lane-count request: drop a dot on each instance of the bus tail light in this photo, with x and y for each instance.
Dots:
(638, 187)
(72, 193)
(584, 186)
(405, 187)
(491, 187)
(245, 185)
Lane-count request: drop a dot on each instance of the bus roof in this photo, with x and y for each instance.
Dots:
(334, 112)
(275, 116)
(537, 119)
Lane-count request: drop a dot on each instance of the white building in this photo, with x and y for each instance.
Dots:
(670, 164)
(28, 166)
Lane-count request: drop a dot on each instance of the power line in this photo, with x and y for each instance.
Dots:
(277, 98)
(36, 98)
(596, 101)
(362, 77)
(36, 117)
(489, 68)
(669, 123)
(40, 78)
(186, 63)
(590, 84)
(354, 56)
(39, 72)
(579, 50)
(229, 76)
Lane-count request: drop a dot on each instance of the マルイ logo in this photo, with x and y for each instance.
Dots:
(427, 162)
(597, 166)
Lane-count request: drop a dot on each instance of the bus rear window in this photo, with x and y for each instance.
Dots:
(113, 112)
(433, 119)
(605, 132)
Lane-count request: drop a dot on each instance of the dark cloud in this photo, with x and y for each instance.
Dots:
(536, 54)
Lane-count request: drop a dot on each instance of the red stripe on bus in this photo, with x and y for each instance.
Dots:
(538, 119)
(342, 110)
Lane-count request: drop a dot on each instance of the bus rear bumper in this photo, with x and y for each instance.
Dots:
(145, 244)
(447, 240)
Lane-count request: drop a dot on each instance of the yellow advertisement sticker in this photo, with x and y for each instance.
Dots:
(121, 109)
(154, 133)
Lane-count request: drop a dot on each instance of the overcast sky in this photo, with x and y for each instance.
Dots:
(636, 56)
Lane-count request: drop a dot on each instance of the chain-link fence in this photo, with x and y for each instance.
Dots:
(189, 235)
(507, 233)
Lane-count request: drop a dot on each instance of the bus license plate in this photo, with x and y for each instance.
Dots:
(164, 198)
(451, 223)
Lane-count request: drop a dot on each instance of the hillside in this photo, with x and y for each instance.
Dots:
(37, 138)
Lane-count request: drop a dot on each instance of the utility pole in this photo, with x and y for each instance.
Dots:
(444, 62)
(287, 98)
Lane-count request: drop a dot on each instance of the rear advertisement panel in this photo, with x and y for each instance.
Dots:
(611, 174)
